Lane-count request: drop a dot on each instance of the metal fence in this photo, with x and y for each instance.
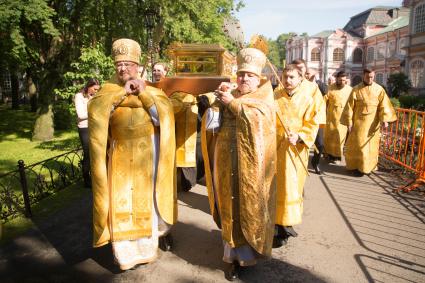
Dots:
(403, 143)
(21, 188)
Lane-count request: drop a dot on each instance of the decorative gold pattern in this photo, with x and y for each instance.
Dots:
(186, 117)
(123, 186)
(200, 59)
(125, 49)
(251, 60)
(244, 151)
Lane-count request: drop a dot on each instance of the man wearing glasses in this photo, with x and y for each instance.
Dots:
(132, 147)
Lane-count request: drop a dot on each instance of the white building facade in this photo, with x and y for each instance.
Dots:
(378, 38)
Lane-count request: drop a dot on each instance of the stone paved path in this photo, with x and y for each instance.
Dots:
(354, 230)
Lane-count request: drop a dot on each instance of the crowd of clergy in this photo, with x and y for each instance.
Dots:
(252, 140)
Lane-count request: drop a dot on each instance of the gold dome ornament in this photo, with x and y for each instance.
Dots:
(251, 60)
(125, 49)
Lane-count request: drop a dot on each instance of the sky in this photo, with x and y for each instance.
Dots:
(274, 17)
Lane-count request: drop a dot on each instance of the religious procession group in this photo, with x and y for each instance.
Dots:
(255, 147)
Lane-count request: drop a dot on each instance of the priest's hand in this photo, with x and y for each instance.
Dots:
(226, 86)
(225, 97)
(293, 138)
(134, 87)
(385, 125)
(350, 128)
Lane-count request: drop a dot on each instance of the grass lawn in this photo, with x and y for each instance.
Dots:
(15, 144)
(15, 139)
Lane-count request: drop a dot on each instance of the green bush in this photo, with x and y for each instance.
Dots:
(93, 63)
(395, 102)
(64, 118)
(412, 102)
(398, 83)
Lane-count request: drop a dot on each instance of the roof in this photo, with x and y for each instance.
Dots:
(395, 24)
(323, 34)
(373, 16)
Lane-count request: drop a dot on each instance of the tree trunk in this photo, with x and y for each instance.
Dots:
(43, 128)
(32, 93)
(15, 89)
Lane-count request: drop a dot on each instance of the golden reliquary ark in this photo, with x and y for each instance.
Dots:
(202, 60)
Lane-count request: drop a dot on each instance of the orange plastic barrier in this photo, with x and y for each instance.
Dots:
(403, 143)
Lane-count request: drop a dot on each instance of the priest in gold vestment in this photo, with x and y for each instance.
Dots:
(132, 147)
(335, 133)
(367, 107)
(301, 107)
(240, 163)
(186, 117)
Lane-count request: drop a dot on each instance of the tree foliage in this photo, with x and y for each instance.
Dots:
(92, 63)
(398, 83)
(277, 49)
(43, 37)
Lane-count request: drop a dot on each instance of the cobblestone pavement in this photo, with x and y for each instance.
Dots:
(354, 230)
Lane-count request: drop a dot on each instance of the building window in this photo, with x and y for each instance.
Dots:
(315, 54)
(402, 44)
(379, 78)
(356, 80)
(391, 49)
(358, 55)
(370, 54)
(417, 73)
(419, 24)
(338, 55)
(6, 83)
(381, 52)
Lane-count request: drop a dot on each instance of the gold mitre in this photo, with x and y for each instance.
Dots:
(251, 60)
(125, 49)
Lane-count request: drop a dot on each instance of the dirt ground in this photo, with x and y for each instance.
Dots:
(354, 230)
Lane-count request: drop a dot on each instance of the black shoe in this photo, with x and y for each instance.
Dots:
(166, 243)
(317, 169)
(232, 271)
(357, 173)
(279, 241)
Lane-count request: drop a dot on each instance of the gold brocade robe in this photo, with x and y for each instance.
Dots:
(302, 113)
(366, 109)
(186, 117)
(121, 154)
(335, 133)
(240, 170)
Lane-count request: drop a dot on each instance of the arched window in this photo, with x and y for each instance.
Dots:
(417, 73)
(419, 22)
(379, 78)
(356, 80)
(358, 55)
(370, 54)
(381, 52)
(401, 46)
(391, 49)
(315, 54)
(338, 55)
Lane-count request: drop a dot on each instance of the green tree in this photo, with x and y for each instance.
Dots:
(277, 49)
(42, 38)
(398, 83)
(274, 55)
(92, 63)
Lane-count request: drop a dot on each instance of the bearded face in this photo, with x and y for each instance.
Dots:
(291, 79)
(247, 82)
(126, 71)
